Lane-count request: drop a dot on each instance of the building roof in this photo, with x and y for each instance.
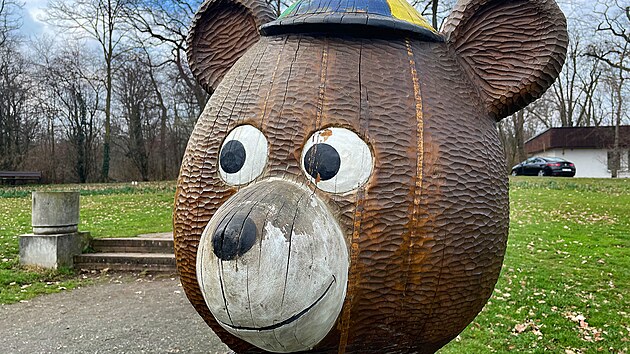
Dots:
(578, 138)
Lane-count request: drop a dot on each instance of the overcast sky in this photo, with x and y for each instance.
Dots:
(33, 12)
(31, 16)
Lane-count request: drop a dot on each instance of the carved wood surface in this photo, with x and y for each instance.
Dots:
(425, 248)
(221, 32)
(512, 50)
(426, 233)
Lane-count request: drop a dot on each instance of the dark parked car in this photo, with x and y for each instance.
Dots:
(544, 166)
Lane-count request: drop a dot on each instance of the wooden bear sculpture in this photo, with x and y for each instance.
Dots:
(344, 190)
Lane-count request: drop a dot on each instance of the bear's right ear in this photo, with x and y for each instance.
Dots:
(221, 32)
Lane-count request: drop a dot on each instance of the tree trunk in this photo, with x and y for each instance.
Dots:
(434, 8)
(618, 114)
(519, 135)
(108, 133)
(107, 139)
(163, 119)
(137, 149)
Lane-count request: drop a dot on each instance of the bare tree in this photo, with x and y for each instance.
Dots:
(616, 25)
(164, 24)
(9, 19)
(161, 32)
(163, 109)
(435, 10)
(574, 90)
(102, 21)
(590, 111)
(615, 52)
(137, 101)
(512, 136)
(616, 80)
(514, 131)
(17, 127)
(73, 99)
(543, 112)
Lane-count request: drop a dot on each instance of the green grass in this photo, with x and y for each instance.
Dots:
(565, 283)
(564, 287)
(107, 210)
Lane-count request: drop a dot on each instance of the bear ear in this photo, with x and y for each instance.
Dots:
(221, 32)
(511, 50)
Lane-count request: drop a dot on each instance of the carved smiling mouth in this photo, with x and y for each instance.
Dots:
(288, 320)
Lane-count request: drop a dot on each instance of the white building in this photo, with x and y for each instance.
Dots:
(589, 148)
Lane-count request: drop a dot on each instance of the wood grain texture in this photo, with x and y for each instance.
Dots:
(423, 261)
(221, 32)
(426, 234)
(512, 50)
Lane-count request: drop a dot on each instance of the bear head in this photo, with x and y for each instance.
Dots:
(344, 190)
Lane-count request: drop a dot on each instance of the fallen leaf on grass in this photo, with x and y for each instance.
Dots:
(522, 327)
(588, 334)
(573, 351)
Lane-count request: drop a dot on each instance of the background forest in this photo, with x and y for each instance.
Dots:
(105, 93)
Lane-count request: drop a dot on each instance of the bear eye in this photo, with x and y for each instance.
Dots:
(243, 155)
(337, 160)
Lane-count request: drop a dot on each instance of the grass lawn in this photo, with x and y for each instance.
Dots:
(107, 210)
(564, 288)
(565, 285)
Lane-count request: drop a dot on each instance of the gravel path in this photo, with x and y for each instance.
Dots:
(123, 314)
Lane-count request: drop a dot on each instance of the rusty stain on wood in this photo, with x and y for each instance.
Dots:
(354, 278)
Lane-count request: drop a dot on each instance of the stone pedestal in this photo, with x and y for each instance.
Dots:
(55, 239)
(51, 251)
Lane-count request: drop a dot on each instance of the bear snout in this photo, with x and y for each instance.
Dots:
(272, 262)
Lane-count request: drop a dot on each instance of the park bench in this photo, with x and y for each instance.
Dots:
(12, 177)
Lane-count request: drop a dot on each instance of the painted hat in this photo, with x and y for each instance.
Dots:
(352, 15)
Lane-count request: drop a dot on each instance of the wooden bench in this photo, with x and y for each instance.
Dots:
(11, 177)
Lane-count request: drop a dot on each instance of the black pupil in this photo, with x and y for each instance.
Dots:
(322, 160)
(232, 156)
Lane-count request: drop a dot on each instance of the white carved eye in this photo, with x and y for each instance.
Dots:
(337, 160)
(243, 155)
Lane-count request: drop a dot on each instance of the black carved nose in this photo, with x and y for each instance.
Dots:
(234, 237)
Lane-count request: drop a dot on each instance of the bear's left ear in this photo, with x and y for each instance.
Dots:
(221, 32)
(511, 50)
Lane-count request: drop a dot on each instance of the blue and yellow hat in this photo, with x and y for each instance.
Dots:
(327, 15)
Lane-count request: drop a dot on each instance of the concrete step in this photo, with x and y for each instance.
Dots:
(126, 261)
(133, 245)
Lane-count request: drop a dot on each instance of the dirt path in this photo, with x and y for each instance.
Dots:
(124, 314)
